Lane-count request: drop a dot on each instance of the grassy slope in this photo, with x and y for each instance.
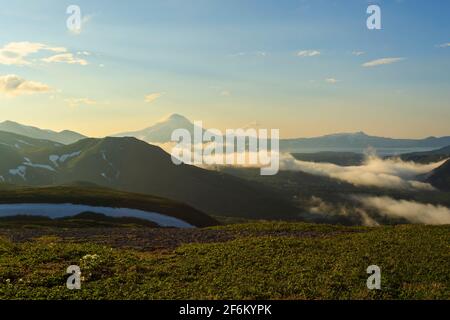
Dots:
(265, 261)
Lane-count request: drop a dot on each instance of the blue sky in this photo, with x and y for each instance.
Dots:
(292, 65)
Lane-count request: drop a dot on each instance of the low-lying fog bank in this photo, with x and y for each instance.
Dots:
(391, 173)
(373, 210)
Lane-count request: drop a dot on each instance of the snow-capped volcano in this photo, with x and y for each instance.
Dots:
(161, 131)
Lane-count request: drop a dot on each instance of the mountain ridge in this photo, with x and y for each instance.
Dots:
(131, 165)
(64, 136)
(161, 131)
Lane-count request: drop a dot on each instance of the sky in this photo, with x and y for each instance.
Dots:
(306, 67)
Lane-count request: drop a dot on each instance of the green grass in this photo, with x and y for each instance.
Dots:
(260, 264)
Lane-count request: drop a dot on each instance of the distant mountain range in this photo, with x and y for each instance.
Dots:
(161, 133)
(132, 165)
(360, 141)
(64, 137)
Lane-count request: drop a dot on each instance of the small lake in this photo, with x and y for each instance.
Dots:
(67, 210)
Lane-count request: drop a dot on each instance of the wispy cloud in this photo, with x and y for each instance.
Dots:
(75, 102)
(412, 211)
(13, 85)
(308, 53)
(320, 207)
(16, 53)
(358, 53)
(254, 53)
(444, 45)
(383, 61)
(153, 97)
(331, 80)
(384, 173)
(68, 58)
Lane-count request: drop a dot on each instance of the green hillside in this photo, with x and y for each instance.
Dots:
(440, 177)
(23, 144)
(132, 165)
(427, 156)
(251, 261)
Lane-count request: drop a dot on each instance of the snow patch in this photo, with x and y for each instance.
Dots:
(55, 158)
(19, 171)
(64, 157)
(105, 158)
(40, 166)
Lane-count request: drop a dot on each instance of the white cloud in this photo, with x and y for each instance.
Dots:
(331, 80)
(153, 97)
(412, 211)
(444, 45)
(15, 53)
(358, 53)
(65, 58)
(380, 62)
(225, 93)
(318, 206)
(255, 53)
(13, 85)
(75, 102)
(383, 173)
(308, 53)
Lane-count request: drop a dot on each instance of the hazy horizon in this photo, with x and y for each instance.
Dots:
(205, 126)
